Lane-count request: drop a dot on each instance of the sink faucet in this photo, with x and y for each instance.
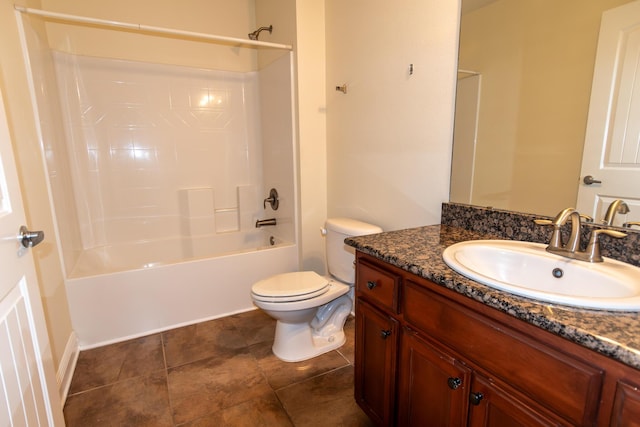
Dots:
(617, 206)
(572, 248)
(573, 244)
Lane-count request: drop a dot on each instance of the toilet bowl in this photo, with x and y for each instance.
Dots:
(301, 331)
(310, 309)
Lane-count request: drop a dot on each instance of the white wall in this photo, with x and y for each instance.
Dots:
(311, 63)
(229, 18)
(389, 138)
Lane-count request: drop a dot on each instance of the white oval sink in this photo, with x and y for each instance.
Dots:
(527, 269)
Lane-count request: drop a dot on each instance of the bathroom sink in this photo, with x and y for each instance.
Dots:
(527, 269)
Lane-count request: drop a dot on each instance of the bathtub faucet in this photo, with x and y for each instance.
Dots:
(264, 222)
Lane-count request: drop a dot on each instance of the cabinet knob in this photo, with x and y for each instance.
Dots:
(371, 284)
(454, 383)
(475, 398)
(385, 333)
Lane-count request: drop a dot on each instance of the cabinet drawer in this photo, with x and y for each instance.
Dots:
(564, 384)
(377, 285)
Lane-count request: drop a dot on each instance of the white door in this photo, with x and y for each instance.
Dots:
(612, 143)
(28, 390)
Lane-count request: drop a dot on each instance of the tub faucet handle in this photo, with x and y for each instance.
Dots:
(272, 200)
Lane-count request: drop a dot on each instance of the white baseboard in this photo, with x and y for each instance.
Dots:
(67, 366)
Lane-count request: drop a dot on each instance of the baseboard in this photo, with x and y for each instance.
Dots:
(67, 366)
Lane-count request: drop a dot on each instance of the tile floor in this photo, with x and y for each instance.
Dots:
(216, 373)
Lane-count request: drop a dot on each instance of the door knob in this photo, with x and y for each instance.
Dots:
(454, 382)
(476, 398)
(28, 238)
(591, 180)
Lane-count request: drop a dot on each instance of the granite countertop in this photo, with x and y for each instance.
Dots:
(419, 251)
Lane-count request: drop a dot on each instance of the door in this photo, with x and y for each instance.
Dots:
(433, 385)
(28, 390)
(375, 365)
(612, 142)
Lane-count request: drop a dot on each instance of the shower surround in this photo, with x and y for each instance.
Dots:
(158, 173)
(159, 151)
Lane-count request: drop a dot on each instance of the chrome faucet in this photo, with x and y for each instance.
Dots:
(572, 248)
(616, 207)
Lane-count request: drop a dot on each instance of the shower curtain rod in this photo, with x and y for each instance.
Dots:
(148, 28)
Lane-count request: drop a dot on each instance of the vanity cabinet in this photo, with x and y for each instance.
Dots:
(426, 355)
(378, 334)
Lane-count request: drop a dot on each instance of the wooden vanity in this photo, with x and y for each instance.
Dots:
(431, 355)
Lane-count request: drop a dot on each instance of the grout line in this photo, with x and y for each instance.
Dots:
(315, 376)
(166, 376)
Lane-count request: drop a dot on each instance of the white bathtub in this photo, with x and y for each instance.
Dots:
(126, 291)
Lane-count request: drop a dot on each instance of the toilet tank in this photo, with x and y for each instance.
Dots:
(340, 257)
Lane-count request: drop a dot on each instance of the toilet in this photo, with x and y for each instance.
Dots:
(310, 310)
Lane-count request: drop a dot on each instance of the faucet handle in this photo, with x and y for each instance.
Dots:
(273, 200)
(593, 247)
(556, 237)
(543, 221)
(630, 223)
(586, 218)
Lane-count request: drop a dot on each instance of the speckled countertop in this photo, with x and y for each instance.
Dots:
(419, 251)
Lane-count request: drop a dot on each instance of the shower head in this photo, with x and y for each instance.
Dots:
(256, 33)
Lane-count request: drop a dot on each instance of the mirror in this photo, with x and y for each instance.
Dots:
(524, 80)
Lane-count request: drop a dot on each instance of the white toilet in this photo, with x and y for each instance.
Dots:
(311, 309)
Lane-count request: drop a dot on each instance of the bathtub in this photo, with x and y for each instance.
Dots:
(126, 291)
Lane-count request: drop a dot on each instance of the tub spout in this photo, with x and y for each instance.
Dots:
(264, 222)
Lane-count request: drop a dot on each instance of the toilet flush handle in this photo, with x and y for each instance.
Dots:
(323, 231)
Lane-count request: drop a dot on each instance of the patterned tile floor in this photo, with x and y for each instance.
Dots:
(216, 373)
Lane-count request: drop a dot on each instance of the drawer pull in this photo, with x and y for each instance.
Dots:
(385, 333)
(454, 383)
(475, 398)
(371, 284)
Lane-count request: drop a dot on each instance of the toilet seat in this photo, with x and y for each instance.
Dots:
(290, 287)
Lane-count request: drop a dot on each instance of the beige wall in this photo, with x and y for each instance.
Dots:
(536, 60)
(33, 180)
(389, 137)
(228, 18)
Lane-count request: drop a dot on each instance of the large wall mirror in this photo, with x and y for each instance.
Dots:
(524, 84)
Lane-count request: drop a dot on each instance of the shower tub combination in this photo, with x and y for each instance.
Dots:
(155, 203)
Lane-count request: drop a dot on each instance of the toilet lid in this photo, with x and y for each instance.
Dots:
(291, 286)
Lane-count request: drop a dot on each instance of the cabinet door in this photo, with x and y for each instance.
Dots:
(433, 387)
(375, 362)
(626, 406)
(492, 406)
